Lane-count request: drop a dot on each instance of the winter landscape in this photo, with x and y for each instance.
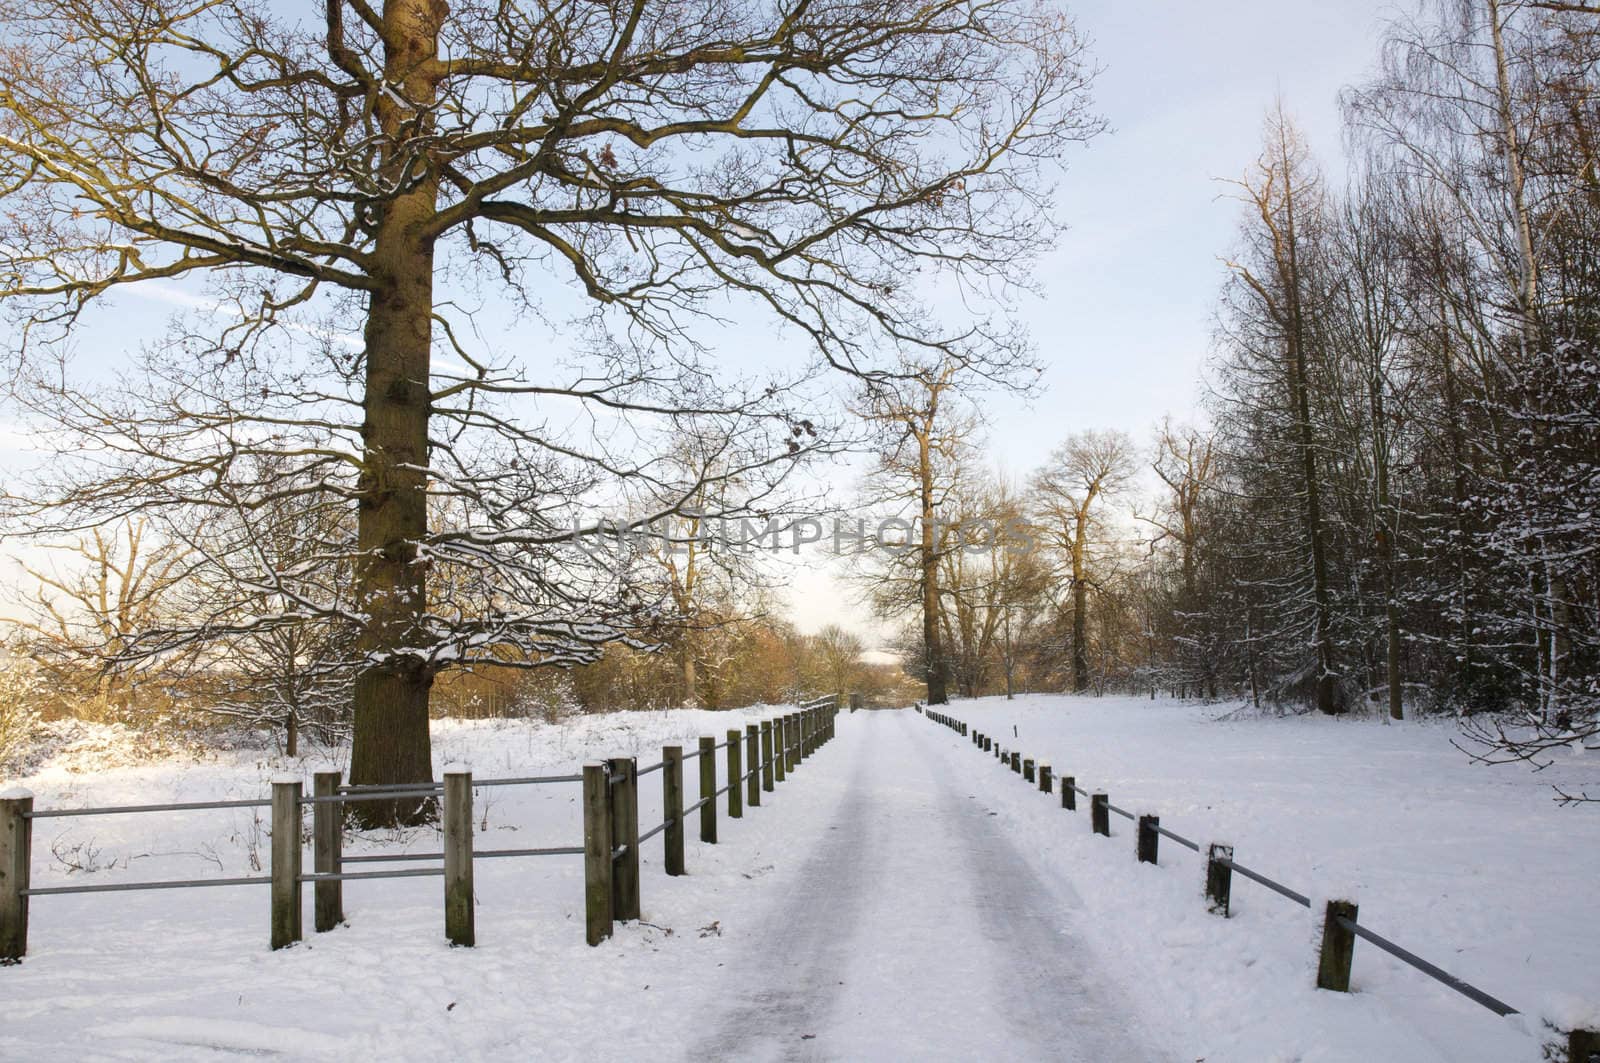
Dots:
(800, 529)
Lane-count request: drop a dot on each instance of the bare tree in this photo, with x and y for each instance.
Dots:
(85, 615)
(665, 160)
(1071, 490)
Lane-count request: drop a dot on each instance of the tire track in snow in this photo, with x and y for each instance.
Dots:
(915, 928)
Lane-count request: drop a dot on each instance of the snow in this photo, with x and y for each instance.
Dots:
(1469, 866)
(899, 896)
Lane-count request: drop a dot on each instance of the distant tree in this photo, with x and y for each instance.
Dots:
(1070, 493)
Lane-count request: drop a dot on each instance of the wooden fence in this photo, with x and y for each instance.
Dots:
(1340, 927)
(773, 748)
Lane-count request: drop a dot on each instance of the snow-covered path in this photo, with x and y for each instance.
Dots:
(914, 927)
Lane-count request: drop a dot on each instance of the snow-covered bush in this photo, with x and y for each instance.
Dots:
(19, 713)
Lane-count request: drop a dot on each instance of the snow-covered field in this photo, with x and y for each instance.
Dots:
(841, 871)
(1472, 867)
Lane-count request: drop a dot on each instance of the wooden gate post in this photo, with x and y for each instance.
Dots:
(766, 756)
(1219, 878)
(596, 853)
(1338, 947)
(735, 775)
(16, 860)
(672, 807)
(625, 838)
(1044, 778)
(1149, 839)
(327, 846)
(708, 790)
(752, 754)
(1069, 793)
(1100, 814)
(286, 910)
(460, 922)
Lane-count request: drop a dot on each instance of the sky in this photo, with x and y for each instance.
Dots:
(1124, 323)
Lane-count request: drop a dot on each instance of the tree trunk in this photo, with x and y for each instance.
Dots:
(391, 742)
(1080, 606)
(932, 645)
(1300, 398)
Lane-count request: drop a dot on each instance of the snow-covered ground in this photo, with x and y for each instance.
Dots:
(1472, 867)
(899, 897)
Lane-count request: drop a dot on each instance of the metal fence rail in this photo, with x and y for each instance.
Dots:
(801, 732)
(1341, 915)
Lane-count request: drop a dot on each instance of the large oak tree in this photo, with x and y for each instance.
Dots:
(385, 169)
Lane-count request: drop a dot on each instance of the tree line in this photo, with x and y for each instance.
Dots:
(1394, 500)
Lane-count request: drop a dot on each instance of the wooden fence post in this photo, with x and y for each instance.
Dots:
(16, 860)
(735, 775)
(625, 838)
(988, 744)
(766, 756)
(286, 912)
(596, 853)
(1069, 793)
(327, 845)
(1016, 762)
(792, 731)
(1338, 947)
(1149, 839)
(708, 790)
(1583, 1046)
(779, 739)
(1100, 814)
(460, 921)
(672, 807)
(1044, 778)
(1027, 769)
(752, 753)
(1219, 878)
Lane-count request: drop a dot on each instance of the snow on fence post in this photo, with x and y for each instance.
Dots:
(1149, 839)
(286, 907)
(596, 853)
(708, 789)
(752, 753)
(1100, 814)
(1219, 878)
(1069, 793)
(672, 807)
(766, 756)
(327, 850)
(780, 740)
(460, 924)
(1338, 947)
(1027, 769)
(16, 858)
(735, 773)
(1044, 778)
(625, 838)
